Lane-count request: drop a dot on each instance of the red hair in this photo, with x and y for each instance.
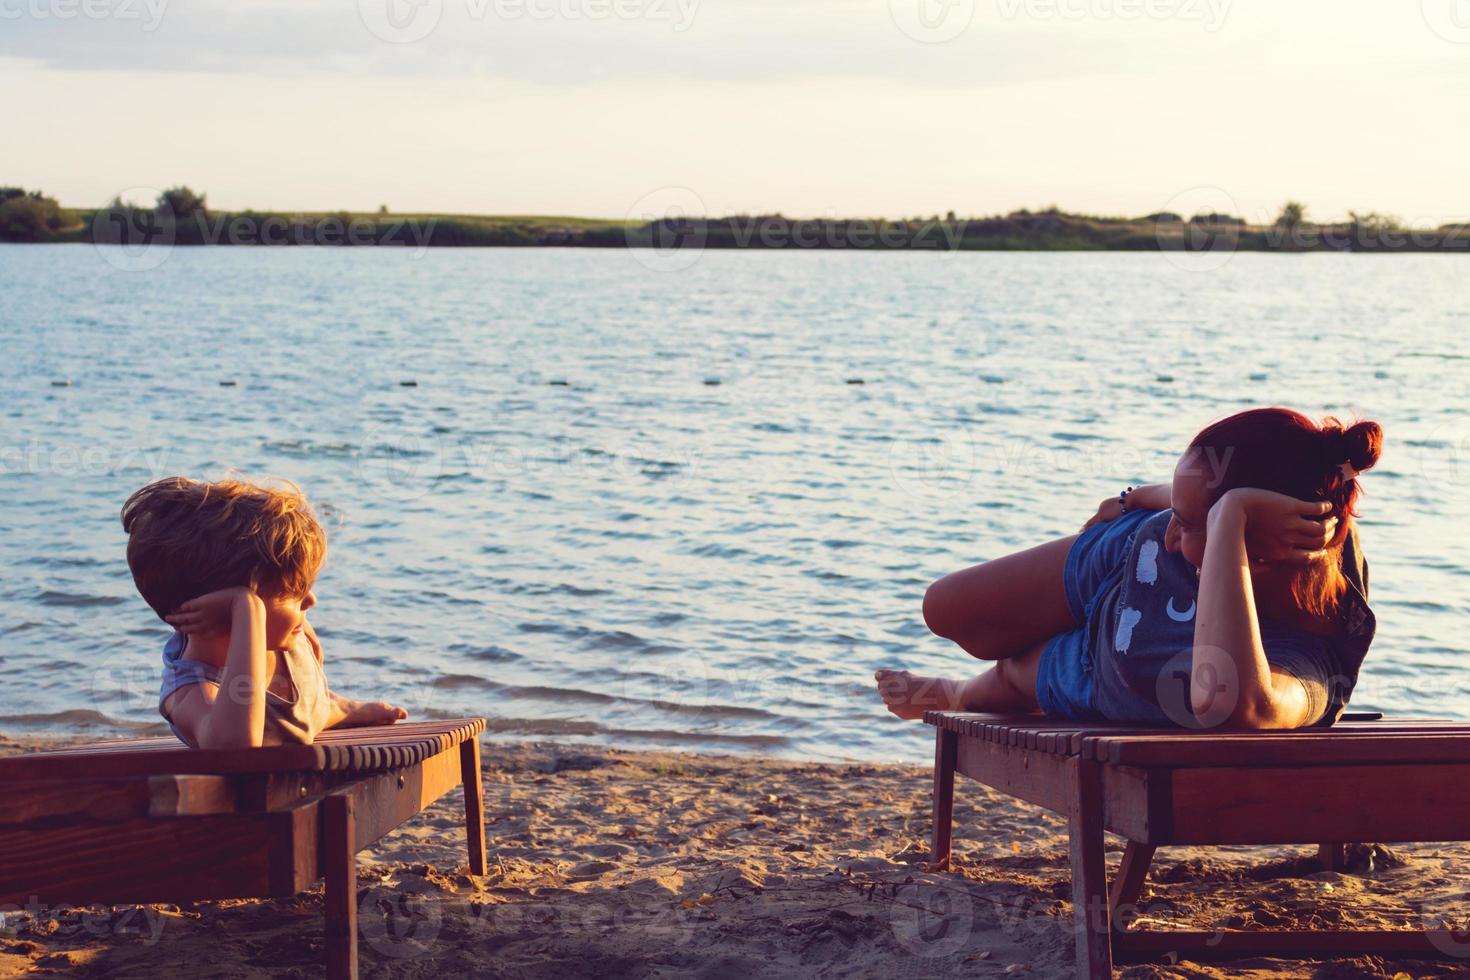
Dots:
(1285, 451)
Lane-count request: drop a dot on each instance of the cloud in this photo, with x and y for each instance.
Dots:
(578, 42)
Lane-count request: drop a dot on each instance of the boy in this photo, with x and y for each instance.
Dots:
(230, 565)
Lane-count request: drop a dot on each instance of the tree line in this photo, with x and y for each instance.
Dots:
(182, 216)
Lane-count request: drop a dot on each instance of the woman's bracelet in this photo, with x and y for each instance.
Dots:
(1123, 499)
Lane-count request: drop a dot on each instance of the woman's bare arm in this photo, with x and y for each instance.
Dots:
(1150, 496)
(1232, 683)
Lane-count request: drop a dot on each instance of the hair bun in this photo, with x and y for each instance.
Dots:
(1363, 444)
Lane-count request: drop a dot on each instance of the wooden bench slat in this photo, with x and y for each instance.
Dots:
(141, 860)
(1300, 750)
(60, 765)
(121, 745)
(47, 801)
(454, 731)
(347, 749)
(1117, 742)
(1134, 747)
(953, 718)
(1233, 943)
(1397, 723)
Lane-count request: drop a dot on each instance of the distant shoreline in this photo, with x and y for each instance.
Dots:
(1049, 230)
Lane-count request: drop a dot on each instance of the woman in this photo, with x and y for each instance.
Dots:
(1234, 596)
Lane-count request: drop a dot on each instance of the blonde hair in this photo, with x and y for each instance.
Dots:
(188, 537)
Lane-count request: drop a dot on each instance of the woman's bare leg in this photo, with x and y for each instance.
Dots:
(1008, 688)
(1001, 608)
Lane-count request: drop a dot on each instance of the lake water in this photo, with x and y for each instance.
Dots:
(652, 507)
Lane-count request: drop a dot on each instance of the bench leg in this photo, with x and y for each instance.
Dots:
(1090, 874)
(946, 748)
(1333, 856)
(474, 803)
(339, 861)
(1129, 883)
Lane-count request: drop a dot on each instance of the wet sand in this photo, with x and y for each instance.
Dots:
(629, 864)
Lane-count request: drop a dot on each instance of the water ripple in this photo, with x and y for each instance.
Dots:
(638, 555)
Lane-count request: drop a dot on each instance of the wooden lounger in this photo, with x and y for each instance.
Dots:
(1388, 780)
(151, 820)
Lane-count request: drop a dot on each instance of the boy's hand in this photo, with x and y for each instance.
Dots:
(363, 713)
(211, 613)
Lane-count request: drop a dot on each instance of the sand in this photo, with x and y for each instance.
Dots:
(629, 864)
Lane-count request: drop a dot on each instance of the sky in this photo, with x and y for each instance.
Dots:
(616, 108)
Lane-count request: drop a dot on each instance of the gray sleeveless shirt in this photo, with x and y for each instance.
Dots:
(298, 719)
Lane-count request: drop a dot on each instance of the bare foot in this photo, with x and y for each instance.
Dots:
(910, 695)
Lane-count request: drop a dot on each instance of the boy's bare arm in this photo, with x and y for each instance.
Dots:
(235, 716)
(347, 712)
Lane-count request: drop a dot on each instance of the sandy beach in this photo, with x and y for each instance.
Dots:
(629, 864)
